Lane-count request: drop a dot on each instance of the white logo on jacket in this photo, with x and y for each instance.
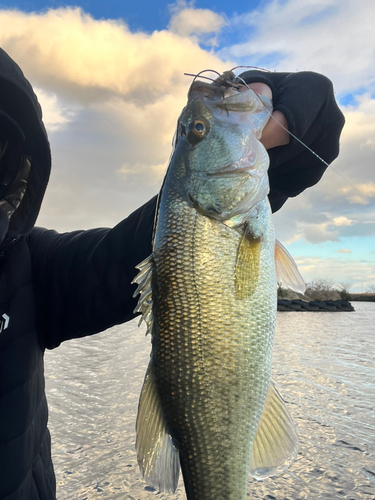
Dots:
(4, 322)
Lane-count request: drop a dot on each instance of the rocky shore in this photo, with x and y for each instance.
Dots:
(322, 301)
(314, 305)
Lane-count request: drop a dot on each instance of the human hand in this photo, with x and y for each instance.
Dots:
(273, 135)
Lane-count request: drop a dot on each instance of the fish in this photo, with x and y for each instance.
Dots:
(208, 294)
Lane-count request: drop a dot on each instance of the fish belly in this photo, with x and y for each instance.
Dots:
(211, 349)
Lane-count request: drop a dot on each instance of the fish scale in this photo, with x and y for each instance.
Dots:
(208, 294)
(206, 378)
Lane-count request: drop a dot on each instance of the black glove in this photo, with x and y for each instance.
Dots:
(307, 101)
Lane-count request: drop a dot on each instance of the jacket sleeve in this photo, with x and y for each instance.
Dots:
(83, 279)
(308, 103)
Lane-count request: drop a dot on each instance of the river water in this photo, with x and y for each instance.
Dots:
(324, 366)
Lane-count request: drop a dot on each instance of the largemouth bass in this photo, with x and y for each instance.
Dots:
(208, 296)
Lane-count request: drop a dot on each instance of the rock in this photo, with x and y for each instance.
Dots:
(323, 306)
(283, 308)
(314, 305)
(305, 305)
(342, 305)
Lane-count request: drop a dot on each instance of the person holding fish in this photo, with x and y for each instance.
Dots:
(55, 287)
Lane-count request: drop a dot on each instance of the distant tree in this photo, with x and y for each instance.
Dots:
(324, 284)
(320, 289)
(344, 289)
(371, 289)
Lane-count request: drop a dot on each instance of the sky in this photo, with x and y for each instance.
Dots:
(110, 79)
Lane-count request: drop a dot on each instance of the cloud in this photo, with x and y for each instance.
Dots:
(146, 174)
(360, 124)
(357, 272)
(357, 151)
(337, 39)
(332, 37)
(342, 203)
(343, 221)
(318, 233)
(343, 250)
(198, 24)
(55, 114)
(67, 51)
(111, 99)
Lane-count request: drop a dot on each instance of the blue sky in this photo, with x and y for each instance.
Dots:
(109, 76)
(146, 16)
(141, 15)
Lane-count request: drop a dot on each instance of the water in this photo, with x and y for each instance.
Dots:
(324, 365)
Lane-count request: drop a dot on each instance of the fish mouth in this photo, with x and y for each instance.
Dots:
(228, 94)
(244, 165)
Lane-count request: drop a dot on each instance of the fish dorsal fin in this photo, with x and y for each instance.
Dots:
(158, 458)
(276, 442)
(247, 265)
(286, 270)
(143, 280)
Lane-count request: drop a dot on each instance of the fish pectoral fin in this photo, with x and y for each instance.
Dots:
(247, 266)
(143, 280)
(276, 442)
(158, 458)
(286, 270)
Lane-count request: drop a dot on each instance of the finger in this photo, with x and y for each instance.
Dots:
(274, 134)
(261, 89)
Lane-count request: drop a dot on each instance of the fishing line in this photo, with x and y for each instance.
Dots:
(199, 75)
(301, 142)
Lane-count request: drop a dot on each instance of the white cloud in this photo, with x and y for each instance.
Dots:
(67, 51)
(343, 201)
(111, 99)
(200, 25)
(55, 114)
(357, 272)
(333, 37)
(343, 250)
(142, 172)
(360, 121)
(318, 233)
(342, 221)
(337, 39)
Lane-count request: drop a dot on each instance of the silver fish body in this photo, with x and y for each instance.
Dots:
(213, 309)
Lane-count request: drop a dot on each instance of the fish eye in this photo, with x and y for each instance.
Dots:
(198, 128)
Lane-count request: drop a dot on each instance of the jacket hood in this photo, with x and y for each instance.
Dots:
(21, 118)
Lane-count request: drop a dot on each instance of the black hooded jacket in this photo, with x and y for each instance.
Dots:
(54, 287)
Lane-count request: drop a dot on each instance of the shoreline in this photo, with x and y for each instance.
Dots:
(298, 305)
